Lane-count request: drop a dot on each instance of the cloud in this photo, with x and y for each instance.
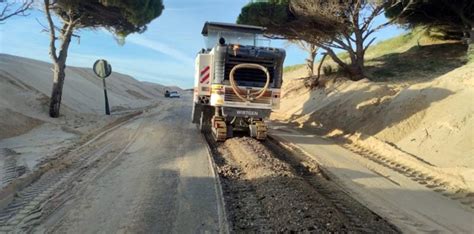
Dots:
(161, 48)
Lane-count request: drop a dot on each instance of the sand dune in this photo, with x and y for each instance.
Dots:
(82, 89)
(432, 121)
(29, 136)
(25, 87)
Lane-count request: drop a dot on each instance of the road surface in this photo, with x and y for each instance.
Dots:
(151, 174)
(409, 205)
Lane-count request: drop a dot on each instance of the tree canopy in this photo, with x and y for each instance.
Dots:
(328, 24)
(12, 8)
(448, 16)
(454, 18)
(296, 20)
(122, 17)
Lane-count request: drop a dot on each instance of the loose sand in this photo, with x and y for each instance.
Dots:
(431, 121)
(28, 131)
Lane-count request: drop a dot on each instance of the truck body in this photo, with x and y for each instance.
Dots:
(237, 80)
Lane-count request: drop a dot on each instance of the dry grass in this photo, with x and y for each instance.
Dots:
(293, 67)
(410, 57)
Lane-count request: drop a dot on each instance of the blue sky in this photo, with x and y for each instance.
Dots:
(163, 54)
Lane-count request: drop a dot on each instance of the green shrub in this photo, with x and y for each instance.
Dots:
(328, 70)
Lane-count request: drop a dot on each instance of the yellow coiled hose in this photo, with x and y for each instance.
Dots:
(236, 88)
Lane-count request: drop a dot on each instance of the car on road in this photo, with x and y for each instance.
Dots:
(174, 94)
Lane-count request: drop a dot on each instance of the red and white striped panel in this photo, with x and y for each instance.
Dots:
(204, 75)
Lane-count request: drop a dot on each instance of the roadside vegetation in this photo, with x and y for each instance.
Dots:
(293, 67)
(413, 56)
(349, 26)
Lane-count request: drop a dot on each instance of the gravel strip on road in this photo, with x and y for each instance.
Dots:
(268, 188)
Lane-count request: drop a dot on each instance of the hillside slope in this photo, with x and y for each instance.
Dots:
(429, 117)
(29, 137)
(25, 87)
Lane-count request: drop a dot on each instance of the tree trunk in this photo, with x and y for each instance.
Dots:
(315, 82)
(355, 70)
(60, 71)
(470, 46)
(312, 52)
(310, 65)
(56, 93)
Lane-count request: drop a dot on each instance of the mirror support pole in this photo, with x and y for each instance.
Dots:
(107, 109)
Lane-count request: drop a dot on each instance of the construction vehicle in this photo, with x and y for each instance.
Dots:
(237, 81)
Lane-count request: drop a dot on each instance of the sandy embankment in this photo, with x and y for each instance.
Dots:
(28, 135)
(427, 123)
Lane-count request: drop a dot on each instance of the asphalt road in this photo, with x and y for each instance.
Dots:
(158, 179)
(409, 205)
(153, 174)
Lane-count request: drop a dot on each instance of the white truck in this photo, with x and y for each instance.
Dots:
(237, 81)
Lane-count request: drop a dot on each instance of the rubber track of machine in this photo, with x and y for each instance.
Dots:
(261, 130)
(219, 128)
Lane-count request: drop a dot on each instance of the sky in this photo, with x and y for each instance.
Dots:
(163, 54)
